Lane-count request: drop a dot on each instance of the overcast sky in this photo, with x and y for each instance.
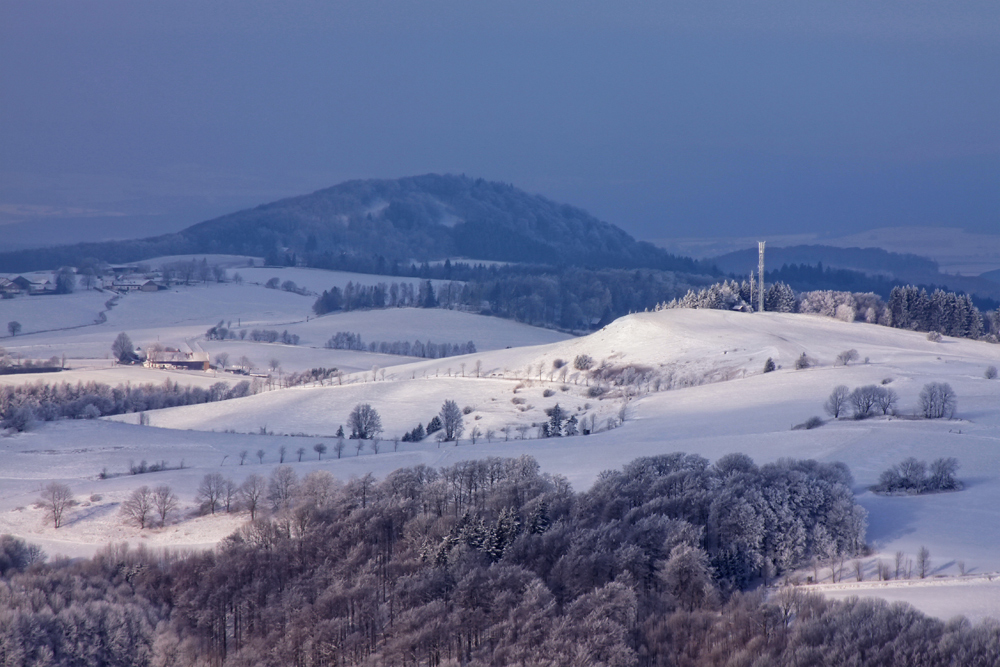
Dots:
(670, 119)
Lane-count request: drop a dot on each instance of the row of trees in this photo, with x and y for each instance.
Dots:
(20, 405)
(395, 295)
(345, 340)
(937, 400)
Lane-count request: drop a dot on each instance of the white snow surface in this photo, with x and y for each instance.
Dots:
(713, 400)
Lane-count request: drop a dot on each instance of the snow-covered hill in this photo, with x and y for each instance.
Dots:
(685, 381)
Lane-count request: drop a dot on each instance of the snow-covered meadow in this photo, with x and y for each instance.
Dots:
(697, 386)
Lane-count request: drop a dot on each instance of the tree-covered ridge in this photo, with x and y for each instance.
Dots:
(567, 298)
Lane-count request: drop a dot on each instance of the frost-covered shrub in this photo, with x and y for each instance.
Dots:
(803, 362)
(769, 365)
(991, 372)
(548, 392)
(934, 337)
(583, 362)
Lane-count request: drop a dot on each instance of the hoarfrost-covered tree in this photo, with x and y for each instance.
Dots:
(837, 401)
(364, 422)
(451, 420)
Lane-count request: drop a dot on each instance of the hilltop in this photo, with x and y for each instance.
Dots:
(419, 218)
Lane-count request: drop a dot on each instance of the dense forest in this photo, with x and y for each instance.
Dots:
(484, 562)
(490, 562)
(572, 299)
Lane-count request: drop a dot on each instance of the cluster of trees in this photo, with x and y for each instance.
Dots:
(733, 295)
(937, 401)
(944, 312)
(910, 476)
(485, 562)
(861, 401)
(909, 307)
(288, 285)
(345, 340)
(272, 336)
(21, 405)
(560, 423)
(448, 424)
(188, 271)
(396, 295)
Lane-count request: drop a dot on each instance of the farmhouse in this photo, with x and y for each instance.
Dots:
(134, 285)
(9, 287)
(175, 359)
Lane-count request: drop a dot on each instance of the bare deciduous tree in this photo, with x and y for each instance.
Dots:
(252, 492)
(320, 449)
(139, 506)
(164, 502)
(221, 359)
(210, 491)
(300, 451)
(923, 562)
(56, 498)
(282, 487)
(937, 400)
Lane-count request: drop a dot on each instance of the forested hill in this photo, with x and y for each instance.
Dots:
(416, 218)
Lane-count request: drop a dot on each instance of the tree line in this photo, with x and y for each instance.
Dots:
(908, 307)
(345, 340)
(568, 298)
(20, 405)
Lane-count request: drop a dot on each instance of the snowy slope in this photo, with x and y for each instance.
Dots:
(714, 400)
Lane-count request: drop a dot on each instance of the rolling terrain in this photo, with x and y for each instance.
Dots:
(684, 380)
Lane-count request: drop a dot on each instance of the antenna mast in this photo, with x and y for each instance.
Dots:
(760, 275)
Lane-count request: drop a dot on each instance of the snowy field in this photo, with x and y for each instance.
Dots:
(713, 399)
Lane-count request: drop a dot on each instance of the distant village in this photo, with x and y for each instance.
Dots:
(101, 276)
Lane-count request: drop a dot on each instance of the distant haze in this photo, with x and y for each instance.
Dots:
(698, 118)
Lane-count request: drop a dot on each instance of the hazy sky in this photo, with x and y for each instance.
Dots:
(670, 119)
